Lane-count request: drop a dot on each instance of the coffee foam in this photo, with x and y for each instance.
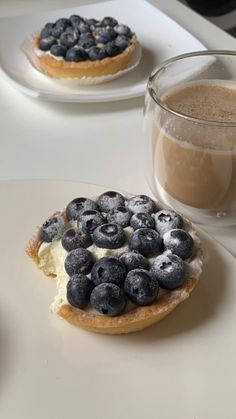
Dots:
(209, 100)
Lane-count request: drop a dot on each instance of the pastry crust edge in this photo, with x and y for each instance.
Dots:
(59, 68)
(136, 319)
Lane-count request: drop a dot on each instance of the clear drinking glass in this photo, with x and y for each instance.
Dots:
(190, 135)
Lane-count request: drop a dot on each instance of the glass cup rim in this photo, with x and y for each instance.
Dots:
(164, 64)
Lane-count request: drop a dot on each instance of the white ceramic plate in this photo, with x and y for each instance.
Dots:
(181, 368)
(159, 36)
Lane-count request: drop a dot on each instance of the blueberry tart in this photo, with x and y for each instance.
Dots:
(77, 47)
(117, 271)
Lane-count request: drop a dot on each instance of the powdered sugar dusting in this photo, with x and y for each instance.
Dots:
(168, 237)
(177, 294)
(195, 263)
(194, 268)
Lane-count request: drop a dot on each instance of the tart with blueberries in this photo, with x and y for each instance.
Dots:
(76, 47)
(121, 263)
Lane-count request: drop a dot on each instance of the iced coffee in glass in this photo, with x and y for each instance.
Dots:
(190, 135)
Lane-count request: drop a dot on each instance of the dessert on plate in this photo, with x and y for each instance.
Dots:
(77, 47)
(120, 263)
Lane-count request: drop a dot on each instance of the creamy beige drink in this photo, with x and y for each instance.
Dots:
(195, 162)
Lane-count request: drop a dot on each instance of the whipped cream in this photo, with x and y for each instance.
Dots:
(39, 53)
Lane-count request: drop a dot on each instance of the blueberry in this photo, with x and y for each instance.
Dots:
(110, 200)
(46, 43)
(75, 20)
(45, 32)
(79, 289)
(58, 50)
(86, 41)
(84, 29)
(76, 54)
(92, 22)
(49, 25)
(179, 242)
(141, 287)
(74, 238)
(146, 241)
(108, 299)
(79, 261)
(121, 41)
(68, 40)
(112, 49)
(141, 220)
(120, 215)
(72, 31)
(78, 205)
(89, 220)
(134, 260)
(53, 228)
(166, 220)
(108, 269)
(57, 31)
(109, 21)
(140, 203)
(123, 30)
(109, 236)
(169, 270)
(96, 53)
(62, 23)
(103, 36)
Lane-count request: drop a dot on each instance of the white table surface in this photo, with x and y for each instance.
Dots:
(96, 143)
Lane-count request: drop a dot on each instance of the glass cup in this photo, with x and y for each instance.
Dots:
(190, 135)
